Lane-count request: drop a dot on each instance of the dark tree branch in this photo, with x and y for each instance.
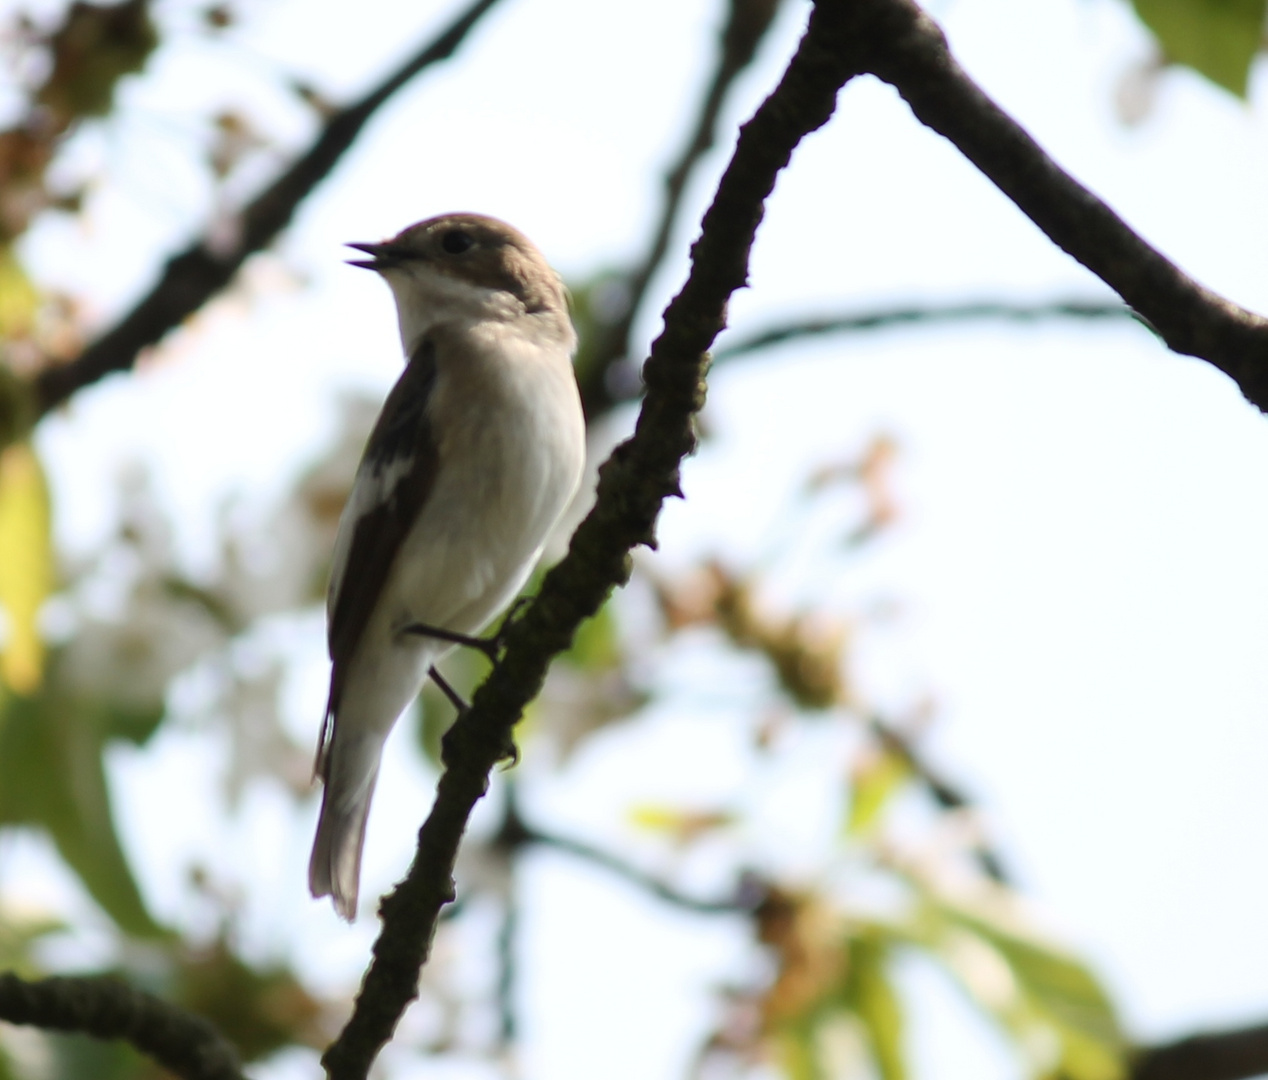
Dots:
(903, 46)
(1224, 1055)
(920, 315)
(194, 276)
(106, 1008)
(633, 483)
(747, 23)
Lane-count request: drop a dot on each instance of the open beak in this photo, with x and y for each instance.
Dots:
(383, 256)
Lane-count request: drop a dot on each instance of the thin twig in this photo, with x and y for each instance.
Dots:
(1224, 1055)
(106, 1008)
(948, 795)
(508, 972)
(917, 315)
(903, 46)
(746, 900)
(515, 834)
(746, 25)
(194, 276)
(633, 483)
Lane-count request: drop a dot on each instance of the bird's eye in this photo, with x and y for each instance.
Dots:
(455, 242)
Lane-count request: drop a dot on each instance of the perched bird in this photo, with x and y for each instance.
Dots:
(477, 452)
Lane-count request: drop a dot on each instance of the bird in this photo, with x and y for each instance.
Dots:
(477, 452)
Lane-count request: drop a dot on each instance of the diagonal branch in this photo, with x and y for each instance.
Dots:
(106, 1008)
(1225, 1055)
(920, 315)
(903, 46)
(635, 481)
(194, 276)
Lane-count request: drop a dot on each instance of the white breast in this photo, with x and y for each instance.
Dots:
(511, 442)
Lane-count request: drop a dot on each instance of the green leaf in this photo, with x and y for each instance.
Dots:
(52, 777)
(1064, 987)
(870, 995)
(799, 1051)
(1217, 38)
(19, 298)
(1040, 989)
(878, 778)
(26, 564)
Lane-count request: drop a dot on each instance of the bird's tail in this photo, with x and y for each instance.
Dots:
(334, 870)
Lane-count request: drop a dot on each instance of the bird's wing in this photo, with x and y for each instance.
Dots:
(395, 478)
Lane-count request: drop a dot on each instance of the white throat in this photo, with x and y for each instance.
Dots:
(426, 298)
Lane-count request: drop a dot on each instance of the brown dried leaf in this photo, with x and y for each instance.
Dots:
(808, 941)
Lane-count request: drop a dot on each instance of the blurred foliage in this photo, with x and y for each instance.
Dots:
(52, 775)
(19, 299)
(94, 47)
(259, 1009)
(1056, 1010)
(85, 56)
(878, 776)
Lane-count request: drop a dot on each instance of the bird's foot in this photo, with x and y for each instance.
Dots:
(512, 613)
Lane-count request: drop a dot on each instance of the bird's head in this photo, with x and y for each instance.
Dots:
(463, 267)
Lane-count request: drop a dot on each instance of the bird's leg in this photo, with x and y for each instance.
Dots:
(489, 646)
(455, 698)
